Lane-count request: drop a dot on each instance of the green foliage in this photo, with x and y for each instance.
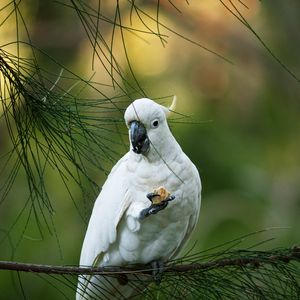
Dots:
(68, 70)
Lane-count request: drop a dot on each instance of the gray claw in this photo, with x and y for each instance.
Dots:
(158, 268)
(151, 195)
(170, 198)
(154, 208)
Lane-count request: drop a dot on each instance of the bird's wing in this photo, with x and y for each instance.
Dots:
(108, 210)
(196, 183)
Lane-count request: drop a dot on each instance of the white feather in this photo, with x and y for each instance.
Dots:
(173, 104)
(115, 234)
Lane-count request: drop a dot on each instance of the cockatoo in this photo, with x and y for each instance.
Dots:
(148, 205)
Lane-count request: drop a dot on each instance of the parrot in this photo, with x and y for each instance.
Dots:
(147, 208)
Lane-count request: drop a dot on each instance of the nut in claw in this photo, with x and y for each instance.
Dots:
(159, 195)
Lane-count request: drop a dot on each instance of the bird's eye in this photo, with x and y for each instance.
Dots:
(155, 123)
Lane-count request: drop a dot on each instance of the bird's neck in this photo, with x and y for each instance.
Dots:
(165, 152)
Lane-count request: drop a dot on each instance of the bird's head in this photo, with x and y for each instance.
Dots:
(147, 124)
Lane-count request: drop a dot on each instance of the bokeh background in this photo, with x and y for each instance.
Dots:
(238, 122)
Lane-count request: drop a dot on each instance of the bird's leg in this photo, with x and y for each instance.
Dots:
(157, 270)
(160, 199)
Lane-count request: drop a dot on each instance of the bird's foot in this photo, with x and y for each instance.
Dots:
(160, 199)
(157, 270)
(152, 210)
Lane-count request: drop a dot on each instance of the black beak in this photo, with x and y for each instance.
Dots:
(138, 137)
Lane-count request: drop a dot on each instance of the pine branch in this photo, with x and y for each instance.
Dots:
(238, 274)
(54, 127)
(240, 258)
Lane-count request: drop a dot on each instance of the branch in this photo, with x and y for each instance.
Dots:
(245, 259)
(273, 274)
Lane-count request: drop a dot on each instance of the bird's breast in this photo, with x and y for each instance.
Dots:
(159, 235)
(146, 176)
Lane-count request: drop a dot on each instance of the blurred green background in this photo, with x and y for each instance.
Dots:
(242, 128)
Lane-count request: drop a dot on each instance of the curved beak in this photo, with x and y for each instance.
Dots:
(138, 137)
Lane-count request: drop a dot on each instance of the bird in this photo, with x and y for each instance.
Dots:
(148, 205)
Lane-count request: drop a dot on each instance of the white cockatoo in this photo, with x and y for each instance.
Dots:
(148, 205)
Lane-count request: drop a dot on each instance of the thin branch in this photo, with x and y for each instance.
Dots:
(246, 259)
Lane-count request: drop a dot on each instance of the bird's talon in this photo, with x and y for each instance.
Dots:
(144, 213)
(159, 199)
(150, 196)
(170, 198)
(158, 268)
(152, 209)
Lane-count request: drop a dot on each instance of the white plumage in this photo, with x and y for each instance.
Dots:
(116, 234)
